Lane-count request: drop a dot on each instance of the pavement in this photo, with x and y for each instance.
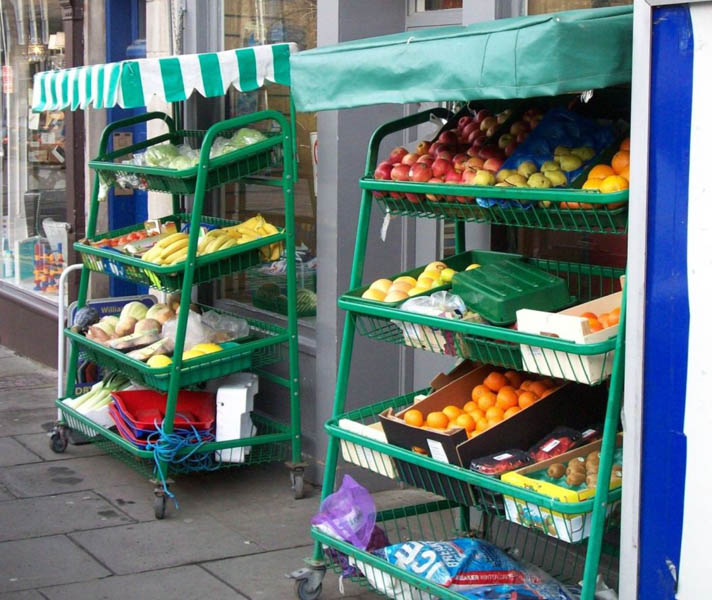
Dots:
(81, 525)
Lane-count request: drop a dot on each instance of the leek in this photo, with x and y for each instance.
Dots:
(99, 395)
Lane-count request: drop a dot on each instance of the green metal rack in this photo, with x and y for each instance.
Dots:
(265, 343)
(474, 504)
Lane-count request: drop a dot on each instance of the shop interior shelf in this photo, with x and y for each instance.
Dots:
(552, 209)
(170, 277)
(264, 346)
(221, 170)
(497, 345)
(268, 444)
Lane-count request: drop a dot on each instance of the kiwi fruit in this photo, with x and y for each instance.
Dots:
(575, 478)
(591, 467)
(577, 463)
(556, 471)
(595, 455)
(591, 480)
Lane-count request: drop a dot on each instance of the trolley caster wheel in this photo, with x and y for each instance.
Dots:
(159, 506)
(58, 441)
(297, 478)
(303, 591)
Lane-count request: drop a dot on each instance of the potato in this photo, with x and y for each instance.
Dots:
(591, 480)
(556, 471)
(125, 326)
(577, 463)
(595, 455)
(618, 468)
(591, 467)
(575, 478)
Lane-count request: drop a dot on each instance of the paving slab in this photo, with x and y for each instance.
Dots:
(13, 364)
(162, 544)
(39, 444)
(13, 452)
(136, 501)
(57, 514)
(19, 376)
(250, 574)
(45, 561)
(24, 595)
(42, 479)
(6, 352)
(187, 583)
(41, 397)
(14, 421)
(5, 494)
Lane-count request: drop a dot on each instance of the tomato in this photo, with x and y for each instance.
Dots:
(124, 239)
(136, 235)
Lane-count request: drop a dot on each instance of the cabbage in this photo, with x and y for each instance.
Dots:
(182, 162)
(246, 136)
(222, 146)
(160, 155)
(137, 310)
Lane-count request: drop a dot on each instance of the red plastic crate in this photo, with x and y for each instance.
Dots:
(143, 408)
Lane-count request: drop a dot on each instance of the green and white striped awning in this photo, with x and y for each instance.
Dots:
(133, 83)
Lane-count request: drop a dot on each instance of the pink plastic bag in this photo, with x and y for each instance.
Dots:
(348, 514)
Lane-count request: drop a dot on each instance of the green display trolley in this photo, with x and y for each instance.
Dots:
(173, 79)
(572, 541)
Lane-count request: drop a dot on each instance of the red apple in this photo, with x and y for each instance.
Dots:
(488, 152)
(488, 122)
(474, 162)
(453, 177)
(414, 198)
(441, 167)
(397, 154)
(426, 159)
(409, 159)
(480, 141)
(519, 127)
(422, 147)
(468, 176)
(434, 197)
(448, 137)
(493, 164)
(472, 151)
(491, 131)
(481, 115)
(445, 154)
(383, 170)
(420, 172)
(458, 161)
(522, 136)
(434, 147)
(508, 150)
(463, 122)
(469, 128)
(400, 172)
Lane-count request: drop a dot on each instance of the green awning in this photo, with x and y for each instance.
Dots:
(522, 57)
(132, 83)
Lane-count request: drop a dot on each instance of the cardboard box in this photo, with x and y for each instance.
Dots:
(572, 527)
(366, 457)
(568, 325)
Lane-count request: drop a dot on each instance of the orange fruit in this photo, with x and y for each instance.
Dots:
(519, 392)
(549, 383)
(478, 390)
(526, 384)
(476, 413)
(594, 324)
(511, 411)
(437, 420)
(625, 173)
(514, 378)
(466, 421)
(614, 317)
(507, 398)
(625, 145)
(493, 413)
(527, 399)
(493, 422)
(592, 183)
(546, 393)
(600, 172)
(495, 380)
(487, 401)
(614, 183)
(603, 320)
(414, 417)
(589, 315)
(470, 406)
(452, 412)
(471, 434)
(481, 425)
(537, 388)
(620, 160)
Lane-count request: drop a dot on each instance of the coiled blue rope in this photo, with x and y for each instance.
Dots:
(167, 446)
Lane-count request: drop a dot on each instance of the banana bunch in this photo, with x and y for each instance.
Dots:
(169, 250)
(235, 235)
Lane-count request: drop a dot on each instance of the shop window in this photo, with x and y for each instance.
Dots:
(254, 22)
(33, 204)
(427, 5)
(535, 7)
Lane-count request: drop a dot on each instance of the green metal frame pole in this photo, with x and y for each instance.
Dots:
(288, 177)
(460, 245)
(610, 429)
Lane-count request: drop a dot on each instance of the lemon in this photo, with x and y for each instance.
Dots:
(158, 360)
(206, 348)
(192, 354)
(472, 266)
(447, 274)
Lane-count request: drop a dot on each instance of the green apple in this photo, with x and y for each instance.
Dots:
(570, 163)
(447, 274)
(484, 177)
(527, 168)
(517, 180)
(502, 174)
(539, 180)
(560, 150)
(550, 165)
(557, 178)
(584, 152)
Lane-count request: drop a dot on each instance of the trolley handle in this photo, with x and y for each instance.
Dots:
(129, 122)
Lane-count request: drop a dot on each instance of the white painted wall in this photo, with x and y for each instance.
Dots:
(697, 525)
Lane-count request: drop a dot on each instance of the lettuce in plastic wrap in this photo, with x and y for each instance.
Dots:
(160, 155)
(246, 136)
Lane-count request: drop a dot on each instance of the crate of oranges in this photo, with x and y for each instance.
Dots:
(587, 323)
(467, 407)
(608, 178)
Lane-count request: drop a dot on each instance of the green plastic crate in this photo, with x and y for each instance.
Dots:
(497, 291)
(169, 278)
(221, 170)
(459, 262)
